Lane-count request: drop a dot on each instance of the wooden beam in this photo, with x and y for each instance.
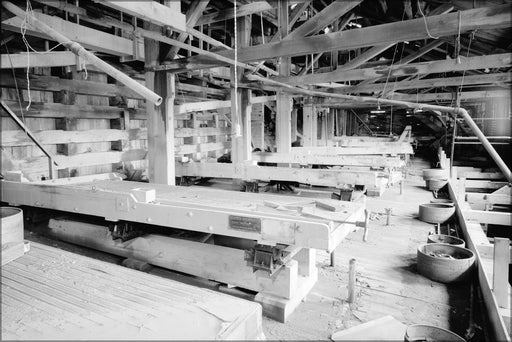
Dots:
(484, 184)
(408, 59)
(475, 237)
(53, 83)
(283, 100)
(323, 18)
(90, 38)
(58, 110)
(465, 96)
(500, 283)
(240, 101)
(309, 128)
(322, 177)
(215, 104)
(38, 164)
(497, 78)
(50, 137)
(326, 159)
(160, 121)
(243, 10)
(365, 57)
(47, 59)
(489, 217)
(409, 30)
(150, 11)
(193, 15)
(471, 63)
(297, 12)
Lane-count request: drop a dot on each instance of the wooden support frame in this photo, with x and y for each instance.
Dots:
(476, 241)
(241, 110)
(202, 210)
(323, 177)
(151, 11)
(489, 217)
(409, 30)
(283, 100)
(160, 120)
(470, 63)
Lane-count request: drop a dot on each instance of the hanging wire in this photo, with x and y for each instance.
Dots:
(392, 61)
(471, 37)
(29, 14)
(425, 21)
(262, 32)
(457, 41)
(16, 85)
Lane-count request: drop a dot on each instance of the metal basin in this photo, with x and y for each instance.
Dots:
(436, 212)
(442, 238)
(435, 184)
(421, 332)
(435, 174)
(445, 263)
(443, 201)
(11, 224)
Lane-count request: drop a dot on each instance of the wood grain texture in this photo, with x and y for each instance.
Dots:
(79, 297)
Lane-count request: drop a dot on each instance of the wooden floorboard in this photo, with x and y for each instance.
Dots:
(387, 281)
(53, 294)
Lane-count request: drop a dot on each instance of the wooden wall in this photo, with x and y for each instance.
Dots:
(96, 126)
(84, 123)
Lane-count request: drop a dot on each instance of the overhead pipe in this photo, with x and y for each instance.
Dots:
(80, 51)
(420, 106)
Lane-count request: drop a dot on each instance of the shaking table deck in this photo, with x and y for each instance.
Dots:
(268, 219)
(53, 294)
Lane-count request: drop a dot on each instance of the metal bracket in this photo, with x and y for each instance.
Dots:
(270, 258)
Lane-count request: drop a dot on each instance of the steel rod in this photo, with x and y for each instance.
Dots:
(20, 123)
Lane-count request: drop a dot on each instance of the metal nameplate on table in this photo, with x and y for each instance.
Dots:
(244, 223)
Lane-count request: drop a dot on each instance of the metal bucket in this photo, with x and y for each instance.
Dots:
(421, 332)
(436, 174)
(436, 184)
(443, 201)
(442, 238)
(436, 212)
(11, 224)
(445, 263)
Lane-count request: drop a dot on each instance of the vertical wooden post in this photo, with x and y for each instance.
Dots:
(294, 124)
(284, 101)
(330, 124)
(241, 143)
(343, 121)
(307, 112)
(123, 123)
(500, 283)
(351, 281)
(66, 124)
(161, 168)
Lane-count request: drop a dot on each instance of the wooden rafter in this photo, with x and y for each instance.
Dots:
(193, 15)
(480, 62)
(410, 30)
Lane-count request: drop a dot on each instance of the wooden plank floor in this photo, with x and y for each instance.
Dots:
(387, 279)
(53, 294)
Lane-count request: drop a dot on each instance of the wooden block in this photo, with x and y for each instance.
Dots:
(328, 206)
(144, 195)
(500, 282)
(280, 308)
